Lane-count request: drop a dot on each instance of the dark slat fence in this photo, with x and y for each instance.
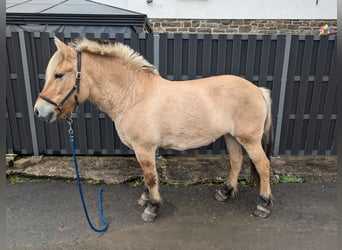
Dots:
(298, 69)
(309, 123)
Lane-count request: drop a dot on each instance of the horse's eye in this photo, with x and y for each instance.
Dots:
(59, 76)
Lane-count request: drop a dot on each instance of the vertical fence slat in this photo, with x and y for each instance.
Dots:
(328, 107)
(264, 59)
(207, 49)
(286, 132)
(250, 60)
(279, 60)
(282, 94)
(163, 55)
(13, 127)
(177, 62)
(192, 56)
(221, 60)
(148, 47)
(236, 55)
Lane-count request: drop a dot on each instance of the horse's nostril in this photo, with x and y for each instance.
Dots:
(45, 113)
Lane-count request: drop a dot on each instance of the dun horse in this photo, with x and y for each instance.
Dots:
(151, 112)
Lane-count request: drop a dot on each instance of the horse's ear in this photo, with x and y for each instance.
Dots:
(65, 49)
(59, 44)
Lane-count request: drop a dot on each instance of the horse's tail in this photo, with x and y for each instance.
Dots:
(267, 137)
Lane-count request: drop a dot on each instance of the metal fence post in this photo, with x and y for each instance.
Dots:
(28, 92)
(282, 93)
(156, 38)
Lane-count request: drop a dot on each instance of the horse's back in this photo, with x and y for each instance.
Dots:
(222, 95)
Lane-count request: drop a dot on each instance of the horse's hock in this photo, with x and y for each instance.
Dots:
(185, 170)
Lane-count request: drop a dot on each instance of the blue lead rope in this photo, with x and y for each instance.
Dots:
(72, 143)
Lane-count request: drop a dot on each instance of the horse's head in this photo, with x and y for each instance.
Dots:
(61, 91)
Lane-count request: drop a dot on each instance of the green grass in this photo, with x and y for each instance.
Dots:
(210, 183)
(137, 182)
(94, 182)
(15, 179)
(248, 182)
(290, 179)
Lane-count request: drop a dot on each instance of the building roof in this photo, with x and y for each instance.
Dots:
(71, 12)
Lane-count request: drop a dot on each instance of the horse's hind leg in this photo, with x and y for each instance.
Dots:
(235, 158)
(151, 197)
(262, 165)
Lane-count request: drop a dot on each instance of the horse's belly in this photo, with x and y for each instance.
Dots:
(184, 142)
(188, 130)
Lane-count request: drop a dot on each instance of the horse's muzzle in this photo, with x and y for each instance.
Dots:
(45, 112)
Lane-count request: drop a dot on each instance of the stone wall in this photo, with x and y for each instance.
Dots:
(241, 26)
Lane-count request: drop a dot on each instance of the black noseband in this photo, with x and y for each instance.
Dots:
(76, 88)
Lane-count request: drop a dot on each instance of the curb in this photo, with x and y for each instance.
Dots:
(175, 170)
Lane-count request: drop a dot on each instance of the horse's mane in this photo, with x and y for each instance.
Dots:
(116, 49)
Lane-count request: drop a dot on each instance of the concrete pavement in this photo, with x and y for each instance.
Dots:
(48, 215)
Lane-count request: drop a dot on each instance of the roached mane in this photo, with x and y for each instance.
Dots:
(119, 50)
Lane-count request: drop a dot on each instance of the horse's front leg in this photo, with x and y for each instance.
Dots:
(150, 197)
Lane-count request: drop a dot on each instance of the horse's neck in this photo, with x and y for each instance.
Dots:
(113, 87)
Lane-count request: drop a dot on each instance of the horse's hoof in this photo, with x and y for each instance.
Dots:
(262, 212)
(144, 199)
(264, 207)
(148, 215)
(224, 193)
(220, 196)
(150, 212)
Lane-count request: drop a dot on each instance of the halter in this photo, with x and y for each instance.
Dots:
(76, 88)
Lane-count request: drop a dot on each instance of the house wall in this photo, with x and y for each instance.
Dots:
(242, 26)
(227, 9)
(238, 17)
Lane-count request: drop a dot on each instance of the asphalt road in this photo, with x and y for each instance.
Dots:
(48, 215)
